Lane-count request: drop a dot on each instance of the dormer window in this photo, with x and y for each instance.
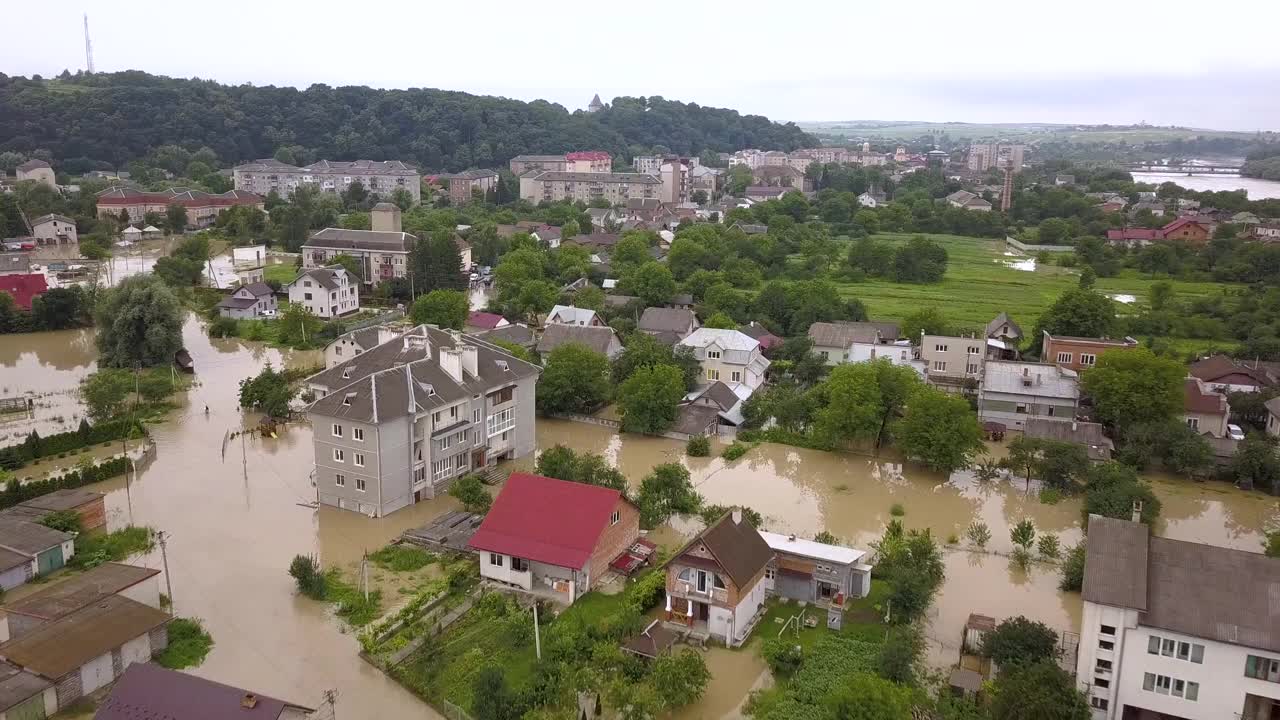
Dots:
(346, 400)
(713, 354)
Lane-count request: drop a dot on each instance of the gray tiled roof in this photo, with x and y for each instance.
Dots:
(597, 338)
(518, 334)
(671, 319)
(376, 240)
(323, 276)
(1115, 569)
(404, 375)
(999, 322)
(17, 685)
(841, 334)
(589, 177)
(1081, 433)
(52, 216)
(29, 538)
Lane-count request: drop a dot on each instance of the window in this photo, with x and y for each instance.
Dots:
(940, 365)
(1102, 666)
(519, 564)
(973, 349)
(1164, 684)
(359, 459)
(1184, 651)
(1262, 668)
(501, 422)
(1020, 408)
(1193, 423)
(338, 455)
(453, 412)
(1148, 682)
(713, 354)
(475, 415)
(1087, 359)
(306, 296)
(736, 376)
(1193, 690)
(1106, 645)
(495, 559)
(939, 348)
(340, 480)
(1197, 653)
(1099, 703)
(337, 430)
(506, 394)
(1064, 357)
(1108, 630)
(1101, 682)
(441, 469)
(713, 374)
(360, 484)
(615, 518)
(1167, 647)
(357, 434)
(972, 368)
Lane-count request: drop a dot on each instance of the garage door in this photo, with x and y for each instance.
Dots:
(136, 650)
(31, 709)
(49, 560)
(96, 673)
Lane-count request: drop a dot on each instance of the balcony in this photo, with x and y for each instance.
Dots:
(690, 592)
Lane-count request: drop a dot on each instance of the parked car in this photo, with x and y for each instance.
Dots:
(268, 314)
(1234, 432)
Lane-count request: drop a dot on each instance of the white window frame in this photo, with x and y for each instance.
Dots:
(1088, 359)
(615, 517)
(500, 422)
(1064, 357)
(358, 459)
(357, 434)
(360, 484)
(939, 348)
(340, 480)
(713, 354)
(337, 430)
(339, 455)
(940, 365)
(496, 560)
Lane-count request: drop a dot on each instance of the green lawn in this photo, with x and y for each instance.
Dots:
(979, 284)
(283, 273)
(862, 620)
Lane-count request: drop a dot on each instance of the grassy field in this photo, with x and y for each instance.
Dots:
(283, 273)
(980, 283)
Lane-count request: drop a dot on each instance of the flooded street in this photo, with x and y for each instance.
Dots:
(236, 523)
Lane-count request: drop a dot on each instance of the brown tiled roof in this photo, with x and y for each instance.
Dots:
(17, 685)
(597, 338)
(1201, 400)
(670, 319)
(1220, 366)
(737, 547)
(1115, 569)
(59, 500)
(841, 334)
(695, 419)
(28, 538)
(55, 649)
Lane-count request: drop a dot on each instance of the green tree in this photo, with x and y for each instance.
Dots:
(1019, 640)
(563, 463)
(939, 429)
(268, 392)
(1112, 489)
(1061, 464)
(921, 260)
(105, 392)
(682, 676)
(492, 698)
(443, 308)
(902, 655)
(589, 297)
(867, 697)
(139, 322)
(1257, 463)
(175, 217)
(648, 400)
(350, 263)
(535, 298)
(1077, 312)
(928, 320)
(1073, 569)
(1040, 690)
(863, 399)
(664, 492)
(298, 326)
(645, 351)
(1134, 386)
(721, 321)
(651, 282)
(575, 380)
(469, 490)
(436, 263)
(1023, 534)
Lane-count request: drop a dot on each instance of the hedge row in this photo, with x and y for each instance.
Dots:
(35, 447)
(16, 492)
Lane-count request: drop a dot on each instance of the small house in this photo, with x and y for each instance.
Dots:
(716, 584)
(667, 325)
(151, 231)
(600, 339)
(693, 420)
(815, 572)
(28, 549)
(570, 315)
(147, 690)
(1273, 417)
(326, 292)
(517, 334)
(728, 355)
(1205, 411)
(831, 340)
(56, 601)
(554, 538)
(767, 340)
(248, 302)
(54, 229)
(477, 320)
(1097, 446)
(88, 505)
(726, 398)
(25, 695)
(89, 648)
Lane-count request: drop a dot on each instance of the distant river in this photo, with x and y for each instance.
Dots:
(1257, 189)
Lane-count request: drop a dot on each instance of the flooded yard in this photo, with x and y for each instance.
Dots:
(235, 523)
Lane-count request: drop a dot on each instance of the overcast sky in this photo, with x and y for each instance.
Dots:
(1087, 61)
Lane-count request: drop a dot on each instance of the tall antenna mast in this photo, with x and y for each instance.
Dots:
(88, 46)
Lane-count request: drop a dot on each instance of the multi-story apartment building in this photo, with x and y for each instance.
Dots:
(771, 157)
(647, 164)
(383, 252)
(1177, 630)
(824, 155)
(397, 424)
(730, 356)
(717, 584)
(674, 175)
(326, 292)
(378, 176)
(464, 186)
(36, 171)
(1079, 353)
(54, 229)
(1014, 392)
(202, 207)
(952, 362)
(616, 188)
(984, 156)
(521, 164)
(593, 161)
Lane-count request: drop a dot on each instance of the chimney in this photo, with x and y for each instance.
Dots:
(470, 360)
(451, 363)
(249, 701)
(737, 516)
(385, 217)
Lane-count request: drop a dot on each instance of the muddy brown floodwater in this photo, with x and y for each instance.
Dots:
(234, 524)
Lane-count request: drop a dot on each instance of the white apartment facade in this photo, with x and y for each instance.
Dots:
(326, 292)
(1013, 392)
(1174, 630)
(730, 356)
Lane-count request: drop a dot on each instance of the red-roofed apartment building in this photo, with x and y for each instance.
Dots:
(202, 207)
(1184, 229)
(596, 161)
(24, 288)
(1079, 353)
(554, 537)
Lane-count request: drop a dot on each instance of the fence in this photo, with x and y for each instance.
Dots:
(451, 711)
(1024, 247)
(589, 419)
(385, 317)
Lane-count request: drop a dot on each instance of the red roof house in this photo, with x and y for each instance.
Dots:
(1183, 228)
(150, 691)
(1141, 235)
(485, 321)
(554, 537)
(24, 288)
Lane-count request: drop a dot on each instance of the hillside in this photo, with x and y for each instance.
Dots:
(1023, 132)
(88, 120)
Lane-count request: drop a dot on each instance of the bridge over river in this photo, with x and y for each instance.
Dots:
(1188, 169)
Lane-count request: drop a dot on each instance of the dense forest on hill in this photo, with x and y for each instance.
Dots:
(90, 121)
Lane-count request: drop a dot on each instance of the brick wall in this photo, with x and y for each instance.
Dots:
(69, 688)
(159, 639)
(614, 540)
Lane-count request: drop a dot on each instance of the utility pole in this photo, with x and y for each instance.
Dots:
(364, 575)
(161, 537)
(537, 637)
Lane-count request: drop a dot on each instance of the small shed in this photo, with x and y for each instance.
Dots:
(131, 234)
(151, 231)
(47, 549)
(89, 505)
(975, 631)
(965, 683)
(652, 642)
